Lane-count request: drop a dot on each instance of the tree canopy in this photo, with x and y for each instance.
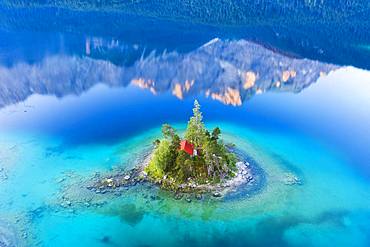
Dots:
(195, 130)
(212, 163)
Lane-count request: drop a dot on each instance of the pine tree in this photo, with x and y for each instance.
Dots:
(195, 131)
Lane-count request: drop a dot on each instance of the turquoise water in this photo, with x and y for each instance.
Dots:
(78, 99)
(330, 207)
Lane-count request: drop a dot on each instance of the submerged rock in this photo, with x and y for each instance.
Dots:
(105, 239)
(199, 197)
(178, 196)
(291, 179)
(130, 213)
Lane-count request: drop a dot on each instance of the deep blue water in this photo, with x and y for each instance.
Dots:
(85, 87)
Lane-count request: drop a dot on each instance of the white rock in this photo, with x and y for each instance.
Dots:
(217, 194)
(239, 163)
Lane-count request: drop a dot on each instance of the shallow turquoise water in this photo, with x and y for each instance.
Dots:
(330, 207)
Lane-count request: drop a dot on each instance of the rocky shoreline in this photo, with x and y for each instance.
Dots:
(114, 182)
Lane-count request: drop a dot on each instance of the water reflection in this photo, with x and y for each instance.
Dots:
(319, 30)
(228, 71)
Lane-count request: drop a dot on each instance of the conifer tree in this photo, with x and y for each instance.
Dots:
(195, 131)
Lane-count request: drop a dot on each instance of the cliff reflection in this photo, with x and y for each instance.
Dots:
(228, 71)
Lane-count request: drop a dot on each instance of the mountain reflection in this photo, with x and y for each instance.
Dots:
(228, 71)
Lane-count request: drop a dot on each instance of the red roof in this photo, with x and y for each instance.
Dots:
(187, 147)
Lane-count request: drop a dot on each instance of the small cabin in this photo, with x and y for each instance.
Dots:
(187, 147)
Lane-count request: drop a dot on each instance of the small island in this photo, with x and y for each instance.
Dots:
(198, 161)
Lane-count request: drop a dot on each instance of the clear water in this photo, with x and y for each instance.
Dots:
(73, 104)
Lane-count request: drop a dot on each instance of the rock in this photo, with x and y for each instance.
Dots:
(291, 179)
(199, 197)
(107, 182)
(188, 200)
(217, 194)
(238, 164)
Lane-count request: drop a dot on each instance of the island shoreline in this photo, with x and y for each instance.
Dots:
(244, 175)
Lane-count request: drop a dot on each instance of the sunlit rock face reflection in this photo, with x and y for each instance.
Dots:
(228, 71)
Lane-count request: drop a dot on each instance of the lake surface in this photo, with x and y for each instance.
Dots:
(86, 85)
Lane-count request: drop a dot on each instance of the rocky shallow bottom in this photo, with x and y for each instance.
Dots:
(8, 236)
(101, 188)
(125, 191)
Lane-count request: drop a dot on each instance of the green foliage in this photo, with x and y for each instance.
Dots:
(161, 160)
(167, 131)
(195, 131)
(213, 162)
(216, 133)
(156, 142)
